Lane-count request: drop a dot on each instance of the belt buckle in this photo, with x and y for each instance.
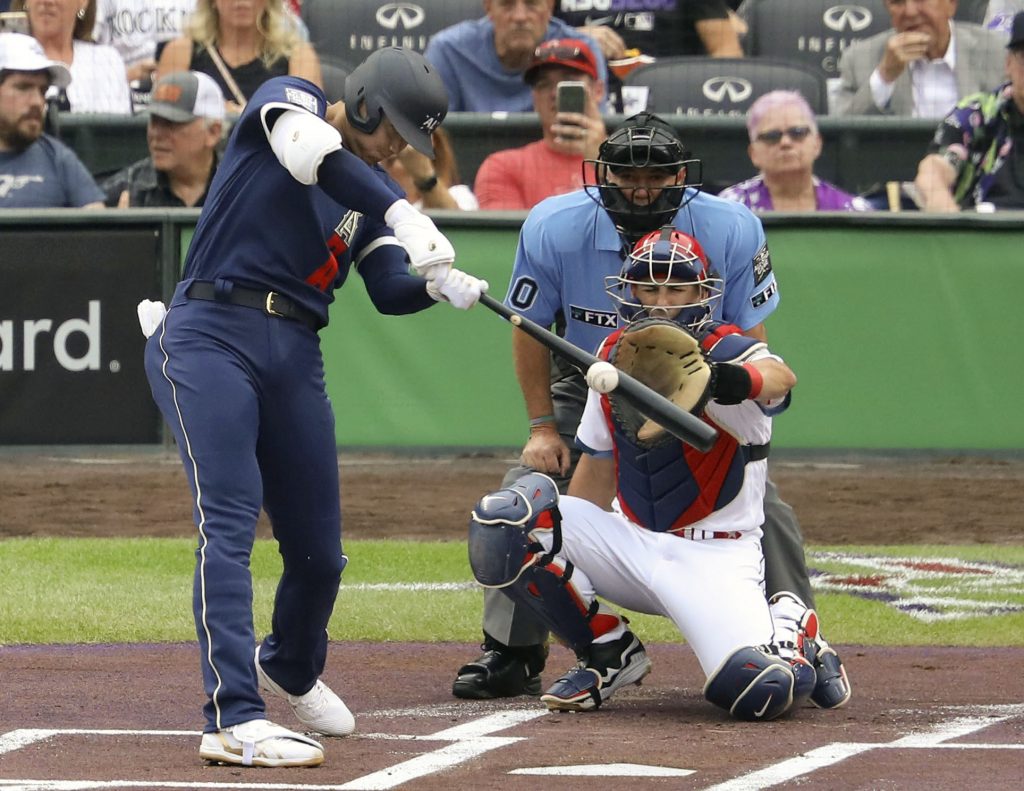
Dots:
(269, 306)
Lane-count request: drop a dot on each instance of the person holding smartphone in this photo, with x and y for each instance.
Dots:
(567, 94)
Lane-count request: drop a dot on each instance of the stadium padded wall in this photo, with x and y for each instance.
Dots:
(904, 330)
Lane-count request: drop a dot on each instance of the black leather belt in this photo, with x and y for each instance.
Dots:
(756, 452)
(270, 302)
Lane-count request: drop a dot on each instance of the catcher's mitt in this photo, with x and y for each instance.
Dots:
(668, 359)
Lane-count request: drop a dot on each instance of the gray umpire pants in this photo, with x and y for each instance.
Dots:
(785, 568)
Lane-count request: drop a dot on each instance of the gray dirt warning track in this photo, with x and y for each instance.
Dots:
(108, 717)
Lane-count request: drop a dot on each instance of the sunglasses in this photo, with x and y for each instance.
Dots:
(774, 136)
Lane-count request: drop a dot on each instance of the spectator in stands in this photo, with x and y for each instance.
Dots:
(519, 178)
(482, 60)
(659, 29)
(431, 183)
(186, 124)
(138, 30)
(977, 156)
(241, 45)
(920, 67)
(784, 145)
(36, 170)
(99, 80)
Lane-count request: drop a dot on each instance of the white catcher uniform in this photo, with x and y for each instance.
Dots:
(711, 588)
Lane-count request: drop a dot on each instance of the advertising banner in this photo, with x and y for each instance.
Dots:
(71, 367)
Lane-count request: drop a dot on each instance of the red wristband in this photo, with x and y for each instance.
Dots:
(756, 380)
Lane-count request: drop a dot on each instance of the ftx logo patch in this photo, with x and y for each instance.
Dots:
(599, 318)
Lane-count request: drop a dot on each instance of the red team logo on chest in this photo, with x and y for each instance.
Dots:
(338, 243)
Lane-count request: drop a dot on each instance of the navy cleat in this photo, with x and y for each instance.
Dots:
(501, 672)
(606, 668)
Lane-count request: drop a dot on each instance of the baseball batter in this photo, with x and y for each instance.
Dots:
(653, 525)
(235, 366)
(568, 245)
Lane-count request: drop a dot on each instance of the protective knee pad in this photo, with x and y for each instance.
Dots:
(752, 685)
(501, 544)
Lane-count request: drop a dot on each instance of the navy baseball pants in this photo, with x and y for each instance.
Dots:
(243, 393)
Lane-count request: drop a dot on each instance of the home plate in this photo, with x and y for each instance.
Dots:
(605, 770)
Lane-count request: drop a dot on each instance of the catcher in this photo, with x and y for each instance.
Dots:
(655, 526)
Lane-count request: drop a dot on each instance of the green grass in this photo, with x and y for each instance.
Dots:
(139, 590)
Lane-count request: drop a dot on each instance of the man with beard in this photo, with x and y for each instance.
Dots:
(36, 170)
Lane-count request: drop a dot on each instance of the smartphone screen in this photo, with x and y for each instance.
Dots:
(572, 97)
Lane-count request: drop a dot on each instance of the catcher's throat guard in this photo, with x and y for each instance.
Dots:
(500, 543)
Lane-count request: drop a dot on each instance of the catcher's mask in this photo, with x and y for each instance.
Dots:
(665, 258)
(643, 141)
(402, 85)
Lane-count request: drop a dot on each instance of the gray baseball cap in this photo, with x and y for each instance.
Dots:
(19, 52)
(185, 96)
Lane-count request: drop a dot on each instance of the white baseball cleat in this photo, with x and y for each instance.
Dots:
(319, 709)
(260, 743)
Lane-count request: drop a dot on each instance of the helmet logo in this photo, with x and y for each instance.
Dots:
(735, 89)
(430, 124)
(847, 17)
(409, 15)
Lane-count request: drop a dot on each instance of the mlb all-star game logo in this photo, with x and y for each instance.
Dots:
(926, 589)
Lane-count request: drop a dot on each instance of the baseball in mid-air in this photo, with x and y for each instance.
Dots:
(603, 377)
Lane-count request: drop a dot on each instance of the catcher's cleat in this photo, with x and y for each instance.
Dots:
(260, 743)
(501, 672)
(594, 680)
(319, 709)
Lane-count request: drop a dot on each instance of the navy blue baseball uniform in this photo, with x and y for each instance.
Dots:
(237, 372)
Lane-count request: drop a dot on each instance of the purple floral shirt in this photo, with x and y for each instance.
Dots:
(753, 194)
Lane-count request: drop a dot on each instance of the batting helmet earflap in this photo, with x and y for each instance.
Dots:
(401, 85)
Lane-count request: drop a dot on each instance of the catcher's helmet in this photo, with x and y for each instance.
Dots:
(664, 258)
(402, 85)
(642, 141)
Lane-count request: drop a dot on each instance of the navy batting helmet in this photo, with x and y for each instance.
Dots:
(401, 85)
(666, 257)
(642, 141)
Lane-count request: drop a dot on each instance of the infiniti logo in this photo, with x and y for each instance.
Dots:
(735, 89)
(847, 17)
(389, 16)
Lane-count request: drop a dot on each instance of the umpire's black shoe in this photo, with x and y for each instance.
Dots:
(501, 672)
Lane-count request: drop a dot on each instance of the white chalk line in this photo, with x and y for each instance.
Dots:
(471, 739)
(930, 738)
(468, 740)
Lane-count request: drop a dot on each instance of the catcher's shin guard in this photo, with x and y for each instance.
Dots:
(504, 553)
(752, 684)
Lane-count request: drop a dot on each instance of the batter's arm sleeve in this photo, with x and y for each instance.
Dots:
(385, 272)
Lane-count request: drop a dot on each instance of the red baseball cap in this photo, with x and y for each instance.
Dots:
(571, 53)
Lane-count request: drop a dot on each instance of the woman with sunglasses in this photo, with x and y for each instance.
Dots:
(784, 145)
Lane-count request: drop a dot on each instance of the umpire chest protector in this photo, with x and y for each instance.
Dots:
(667, 485)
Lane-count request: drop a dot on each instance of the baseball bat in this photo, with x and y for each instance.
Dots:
(678, 422)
